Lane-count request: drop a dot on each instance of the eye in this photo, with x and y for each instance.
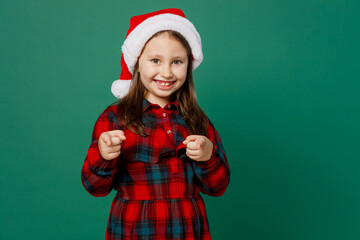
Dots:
(177, 62)
(155, 60)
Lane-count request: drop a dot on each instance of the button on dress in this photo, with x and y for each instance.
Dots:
(158, 186)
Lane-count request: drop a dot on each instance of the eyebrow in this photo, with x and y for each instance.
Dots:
(159, 56)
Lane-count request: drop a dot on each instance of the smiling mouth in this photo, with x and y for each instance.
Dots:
(164, 83)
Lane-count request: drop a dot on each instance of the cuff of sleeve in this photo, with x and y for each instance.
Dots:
(209, 163)
(106, 164)
(97, 161)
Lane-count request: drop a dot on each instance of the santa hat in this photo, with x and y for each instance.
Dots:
(142, 28)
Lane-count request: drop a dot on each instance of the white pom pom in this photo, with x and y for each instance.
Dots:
(120, 88)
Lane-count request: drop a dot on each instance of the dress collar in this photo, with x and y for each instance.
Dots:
(169, 106)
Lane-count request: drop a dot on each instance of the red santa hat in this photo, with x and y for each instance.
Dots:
(142, 28)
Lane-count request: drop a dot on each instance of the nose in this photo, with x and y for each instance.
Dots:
(166, 72)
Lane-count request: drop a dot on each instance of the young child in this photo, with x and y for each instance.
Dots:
(155, 146)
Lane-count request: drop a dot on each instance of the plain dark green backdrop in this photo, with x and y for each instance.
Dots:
(280, 81)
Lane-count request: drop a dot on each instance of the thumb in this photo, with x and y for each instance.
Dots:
(200, 142)
(106, 139)
(189, 138)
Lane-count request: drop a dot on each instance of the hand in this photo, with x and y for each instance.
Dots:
(110, 144)
(198, 148)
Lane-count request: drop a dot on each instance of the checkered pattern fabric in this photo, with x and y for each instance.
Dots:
(158, 186)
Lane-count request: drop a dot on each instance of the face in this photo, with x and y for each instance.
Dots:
(163, 67)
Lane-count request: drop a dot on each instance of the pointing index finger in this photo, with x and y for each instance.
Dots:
(121, 135)
(117, 133)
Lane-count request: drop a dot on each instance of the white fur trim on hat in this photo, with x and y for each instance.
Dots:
(137, 38)
(120, 88)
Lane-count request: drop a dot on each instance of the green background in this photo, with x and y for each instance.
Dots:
(279, 80)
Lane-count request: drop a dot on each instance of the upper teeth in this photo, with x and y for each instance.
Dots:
(164, 84)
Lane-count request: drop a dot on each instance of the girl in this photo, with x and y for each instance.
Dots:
(155, 146)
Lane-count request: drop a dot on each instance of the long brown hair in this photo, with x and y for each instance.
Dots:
(129, 108)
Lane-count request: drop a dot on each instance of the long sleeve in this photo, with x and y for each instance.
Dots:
(97, 173)
(214, 174)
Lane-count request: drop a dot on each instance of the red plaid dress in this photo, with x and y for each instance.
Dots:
(158, 186)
